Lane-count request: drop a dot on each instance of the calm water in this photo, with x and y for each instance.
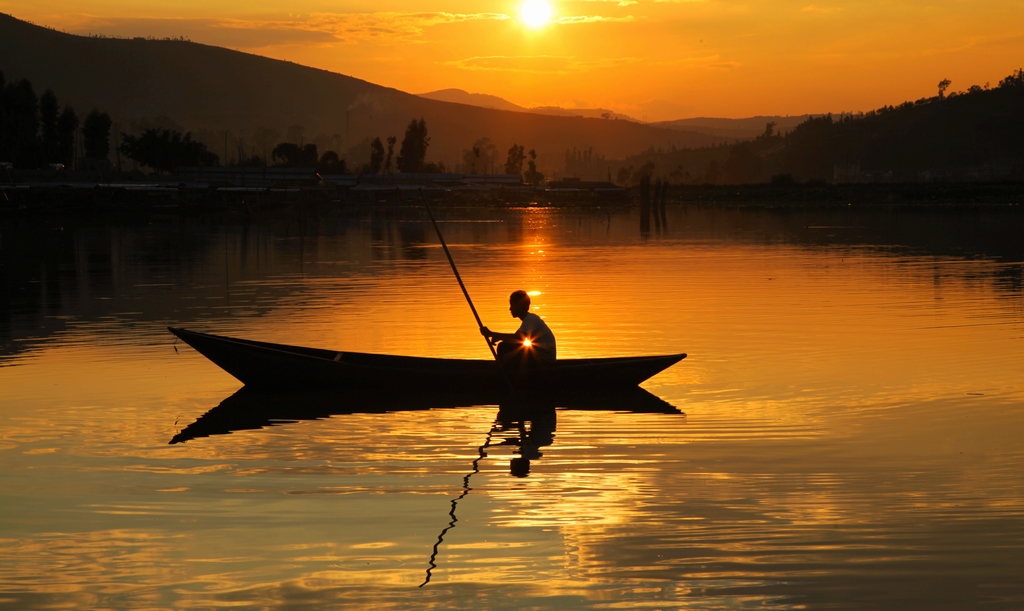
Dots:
(853, 434)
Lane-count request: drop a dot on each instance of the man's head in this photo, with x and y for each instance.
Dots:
(519, 303)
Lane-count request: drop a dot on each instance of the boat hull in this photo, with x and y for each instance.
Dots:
(280, 366)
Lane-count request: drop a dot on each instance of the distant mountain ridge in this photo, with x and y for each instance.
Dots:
(484, 100)
(730, 129)
(202, 87)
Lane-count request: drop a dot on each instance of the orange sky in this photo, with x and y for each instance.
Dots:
(652, 59)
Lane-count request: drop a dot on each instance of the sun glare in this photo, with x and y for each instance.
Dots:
(536, 13)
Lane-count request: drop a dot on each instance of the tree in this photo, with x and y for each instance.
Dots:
(743, 165)
(264, 138)
(287, 154)
(166, 150)
(622, 176)
(532, 176)
(391, 152)
(67, 126)
(21, 110)
(643, 174)
(376, 156)
(514, 162)
(3, 118)
(309, 156)
(713, 172)
(414, 147)
(480, 158)
(943, 86)
(48, 118)
(330, 163)
(96, 135)
(1016, 79)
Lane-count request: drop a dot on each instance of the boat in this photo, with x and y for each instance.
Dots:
(279, 366)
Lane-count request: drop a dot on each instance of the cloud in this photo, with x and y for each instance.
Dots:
(391, 27)
(536, 64)
(314, 28)
(224, 32)
(576, 19)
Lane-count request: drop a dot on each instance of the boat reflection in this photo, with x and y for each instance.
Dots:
(251, 408)
(523, 421)
(533, 428)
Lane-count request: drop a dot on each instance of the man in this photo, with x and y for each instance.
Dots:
(533, 344)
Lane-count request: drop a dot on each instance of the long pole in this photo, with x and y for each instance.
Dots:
(459, 278)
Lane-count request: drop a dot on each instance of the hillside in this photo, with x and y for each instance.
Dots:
(735, 129)
(974, 135)
(484, 100)
(200, 87)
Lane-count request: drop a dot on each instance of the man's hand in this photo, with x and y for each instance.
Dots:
(487, 333)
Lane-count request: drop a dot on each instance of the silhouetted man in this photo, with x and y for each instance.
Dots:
(532, 344)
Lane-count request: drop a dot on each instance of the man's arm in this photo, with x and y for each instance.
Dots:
(495, 337)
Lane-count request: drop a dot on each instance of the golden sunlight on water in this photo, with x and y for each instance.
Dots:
(852, 435)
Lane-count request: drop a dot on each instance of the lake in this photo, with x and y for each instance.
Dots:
(847, 431)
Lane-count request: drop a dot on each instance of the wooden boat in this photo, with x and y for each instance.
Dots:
(267, 365)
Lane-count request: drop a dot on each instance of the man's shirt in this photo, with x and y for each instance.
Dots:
(540, 336)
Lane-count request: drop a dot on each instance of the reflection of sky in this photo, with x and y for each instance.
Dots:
(853, 428)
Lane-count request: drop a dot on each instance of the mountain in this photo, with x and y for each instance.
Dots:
(970, 136)
(201, 87)
(735, 129)
(593, 113)
(483, 100)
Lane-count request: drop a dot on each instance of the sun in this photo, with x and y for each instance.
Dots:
(535, 13)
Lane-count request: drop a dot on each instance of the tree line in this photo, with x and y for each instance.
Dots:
(972, 134)
(482, 158)
(35, 131)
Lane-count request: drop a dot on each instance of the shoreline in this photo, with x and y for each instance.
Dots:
(98, 197)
